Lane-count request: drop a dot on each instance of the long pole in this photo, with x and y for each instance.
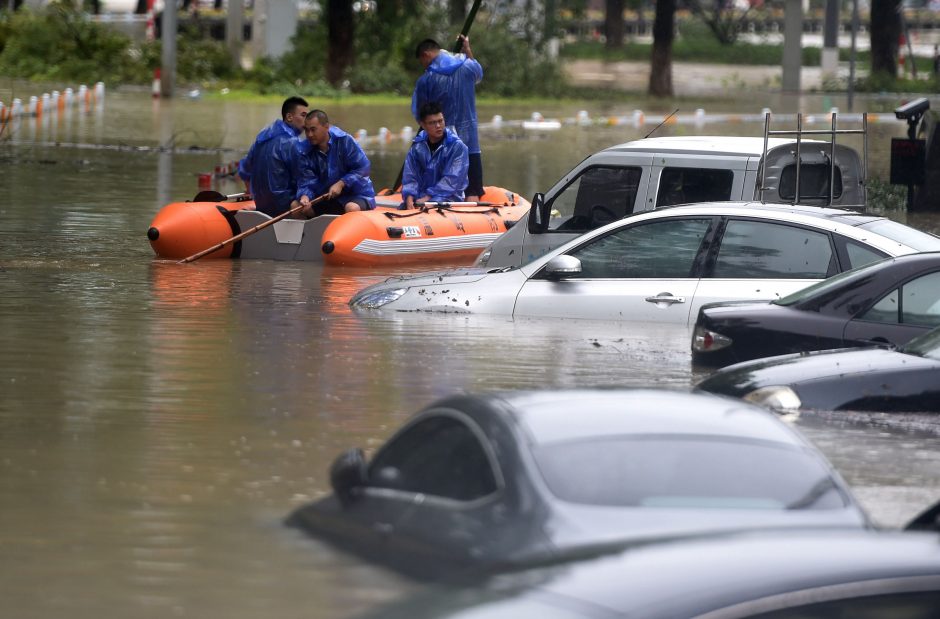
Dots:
(249, 232)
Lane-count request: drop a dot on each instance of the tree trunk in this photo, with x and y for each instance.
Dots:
(457, 10)
(885, 32)
(613, 24)
(141, 7)
(339, 19)
(661, 62)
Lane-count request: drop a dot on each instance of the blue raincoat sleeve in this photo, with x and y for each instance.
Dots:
(268, 168)
(410, 175)
(304, 170)
(352, 166)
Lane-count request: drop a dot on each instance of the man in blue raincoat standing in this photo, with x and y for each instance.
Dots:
(437, 162)
(331, 162)
(266, 169)
(450, 80)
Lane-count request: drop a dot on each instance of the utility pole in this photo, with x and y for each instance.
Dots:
(168, 58)
(234, 30)
(830, 50)
(792, 44)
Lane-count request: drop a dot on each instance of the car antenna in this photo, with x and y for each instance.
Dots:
(674, 112)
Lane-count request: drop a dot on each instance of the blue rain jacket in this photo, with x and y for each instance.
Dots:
(344, 160)
(442, 175)
(451, 80)
(267, 168)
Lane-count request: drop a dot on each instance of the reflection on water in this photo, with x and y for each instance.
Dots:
(157, 420)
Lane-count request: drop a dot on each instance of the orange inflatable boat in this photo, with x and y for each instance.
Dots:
(442, 232)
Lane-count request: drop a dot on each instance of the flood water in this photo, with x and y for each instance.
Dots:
(158, 421)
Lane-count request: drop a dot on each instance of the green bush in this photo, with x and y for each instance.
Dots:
(60, 43)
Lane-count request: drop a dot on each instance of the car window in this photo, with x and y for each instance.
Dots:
(598, 196)
(814, 181)
(687, 472)
(864, 605)
(764, 250)
(826, 286)
(915, 303)
(439, 456)
(920, 301)
(898, 232)
(860, 255)
(926, 345)
(661, 249)
(688, 185)
(885, 310)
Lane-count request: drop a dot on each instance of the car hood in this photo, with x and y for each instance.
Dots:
(453, 276)
(743, 378)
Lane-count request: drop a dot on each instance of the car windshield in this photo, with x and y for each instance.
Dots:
(687, 472)
(927, 345)
(825, 285)
(921, 241)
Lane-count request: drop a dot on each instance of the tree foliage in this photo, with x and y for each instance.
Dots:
(724, 21)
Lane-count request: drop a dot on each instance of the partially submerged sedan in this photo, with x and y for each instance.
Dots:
(772, 574)
(906, 379)
(886, 302)
(507, 480)
(662, 266)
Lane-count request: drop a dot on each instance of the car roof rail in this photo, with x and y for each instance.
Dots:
(799, 132)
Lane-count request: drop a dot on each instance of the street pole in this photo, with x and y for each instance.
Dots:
(792, 45)
(851, 92)
(168, 59)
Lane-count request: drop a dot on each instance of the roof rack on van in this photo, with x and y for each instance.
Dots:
(799, 133)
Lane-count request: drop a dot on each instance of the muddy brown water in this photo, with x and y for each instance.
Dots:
(158, 421)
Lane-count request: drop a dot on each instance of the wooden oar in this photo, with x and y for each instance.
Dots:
(251, 231)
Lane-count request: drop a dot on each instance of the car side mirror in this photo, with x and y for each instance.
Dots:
(561, 267)
(538, 214)
(348, 471)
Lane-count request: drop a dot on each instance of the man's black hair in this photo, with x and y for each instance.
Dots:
(320, 115)
(429, 108)
(427, 45)
(290, 104)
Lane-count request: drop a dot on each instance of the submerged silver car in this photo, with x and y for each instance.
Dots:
(662, 266)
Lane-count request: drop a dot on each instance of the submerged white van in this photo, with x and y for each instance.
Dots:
(653, 172)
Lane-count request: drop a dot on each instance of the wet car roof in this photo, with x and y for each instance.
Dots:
(587, 414)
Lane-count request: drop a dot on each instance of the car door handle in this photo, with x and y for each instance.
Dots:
(665, 297)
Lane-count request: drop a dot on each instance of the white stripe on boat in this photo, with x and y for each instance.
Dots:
(424, 245)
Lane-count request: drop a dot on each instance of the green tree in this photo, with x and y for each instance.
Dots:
(340, 35)
(721, 17)
(885, 33)
(613, 24)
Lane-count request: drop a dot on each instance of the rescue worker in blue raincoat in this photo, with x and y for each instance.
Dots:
(450, 80)
(266, 169)
(437, 162)
(331, 162)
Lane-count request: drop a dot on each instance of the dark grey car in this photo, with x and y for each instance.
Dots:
(771, 574)
(498, 481)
